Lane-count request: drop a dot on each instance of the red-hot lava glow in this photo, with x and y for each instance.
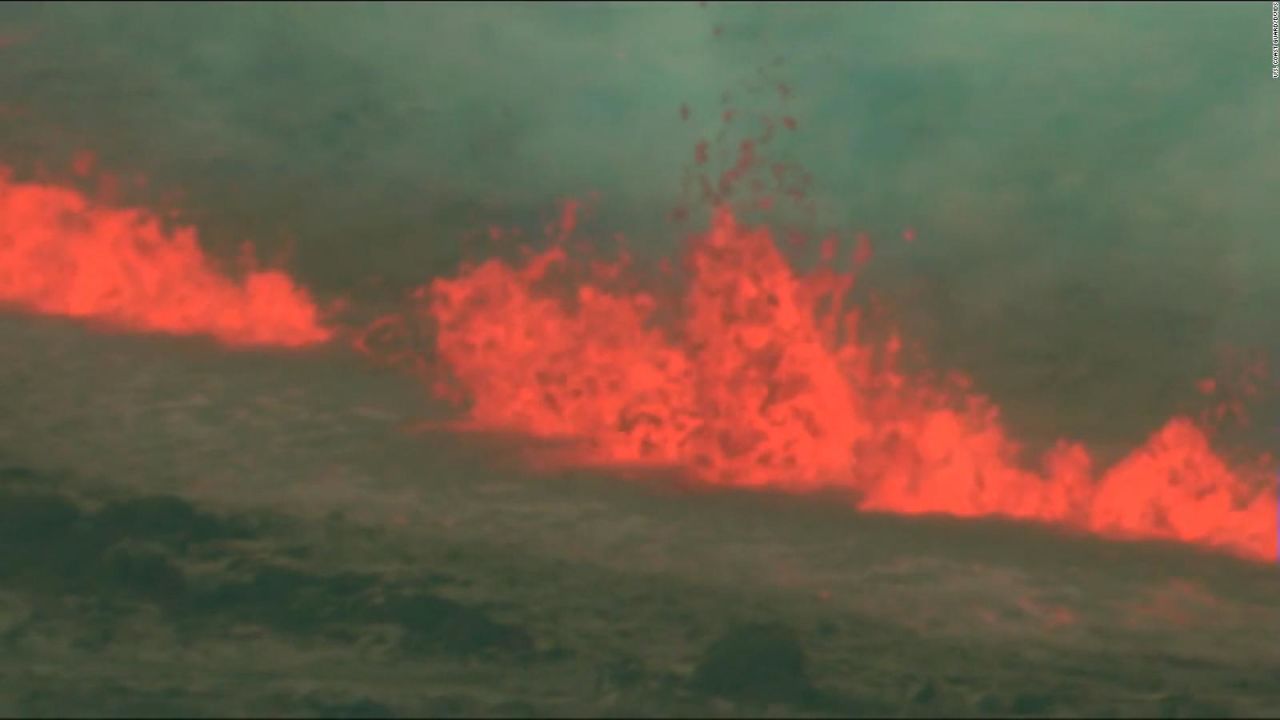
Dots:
(61, 253)
(764, 379)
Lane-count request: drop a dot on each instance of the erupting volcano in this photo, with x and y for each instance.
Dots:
(764, 379)
(753, 374)
(62, 253)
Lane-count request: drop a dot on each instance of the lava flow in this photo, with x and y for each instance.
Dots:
(764, 379)
(64, 254)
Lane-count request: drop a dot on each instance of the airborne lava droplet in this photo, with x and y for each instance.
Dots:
(700, 152)
(569, 210)
(828, 249)
(63, 254)
(862, 252)
(746, 159)
(82, 164)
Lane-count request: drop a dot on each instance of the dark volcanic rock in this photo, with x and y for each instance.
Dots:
(288, 600)
(756, 662)
(163, 519)
(35, 518)
(437, 624)
(144, 574)
(42, 542)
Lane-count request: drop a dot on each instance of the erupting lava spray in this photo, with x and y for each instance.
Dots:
(63, 254)
(754, 374)
(764, 380)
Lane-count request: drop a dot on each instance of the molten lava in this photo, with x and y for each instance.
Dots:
(63, 254)
(765, 379)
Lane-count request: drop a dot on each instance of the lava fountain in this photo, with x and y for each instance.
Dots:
(62, 253)
(757, 375)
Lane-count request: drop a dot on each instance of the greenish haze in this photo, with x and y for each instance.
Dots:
(194, 532)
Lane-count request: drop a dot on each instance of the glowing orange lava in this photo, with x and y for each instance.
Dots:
(63, 254)
(765, 379)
